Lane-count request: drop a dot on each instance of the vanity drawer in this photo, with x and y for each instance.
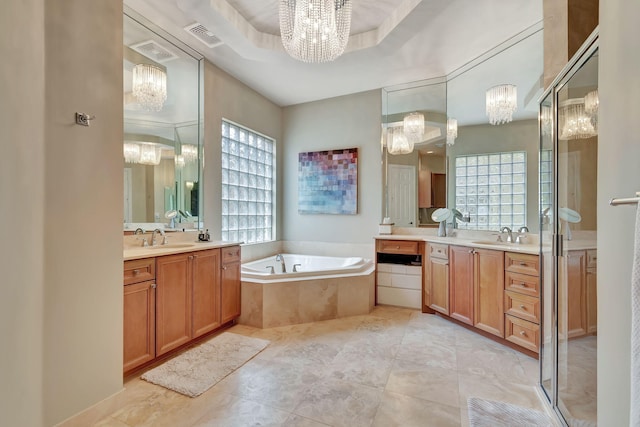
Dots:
(523, 333)
(522, 306)
(592, 258)
(397, 247)
(438, 251)
(522, 263)
(522, 284)
(139, 270)
(230, 254)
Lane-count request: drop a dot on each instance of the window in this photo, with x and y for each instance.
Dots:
(247, 185)
(493, 189)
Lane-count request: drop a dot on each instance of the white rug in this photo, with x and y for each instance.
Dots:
(200, 368)
(487, 413)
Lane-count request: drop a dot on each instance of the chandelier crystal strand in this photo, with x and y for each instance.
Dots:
(502, 102)
(574, 122)
(150, 86)
(189, 152)
(398, 143)
(413, 125)
(131, 152)
(452, 131)
(315, 30)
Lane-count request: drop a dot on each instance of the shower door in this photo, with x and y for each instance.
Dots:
(568, 189)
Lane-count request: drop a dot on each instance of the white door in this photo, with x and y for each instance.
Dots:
(401, 182)
(127, 195)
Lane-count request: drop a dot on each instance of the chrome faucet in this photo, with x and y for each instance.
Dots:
(459, 216)
(280, 258)
(138, 231)
(153, 237)
(521, 234)
(509, 233)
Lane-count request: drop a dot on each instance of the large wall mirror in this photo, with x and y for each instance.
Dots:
(493, 168)
(162, 144)
(489, 171)
(415, 182)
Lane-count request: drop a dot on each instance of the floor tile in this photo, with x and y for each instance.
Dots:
(405, 411)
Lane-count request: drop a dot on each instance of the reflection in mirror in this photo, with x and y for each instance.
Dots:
(577, 154)
(415, 183)
(493, 169)
(162, 127)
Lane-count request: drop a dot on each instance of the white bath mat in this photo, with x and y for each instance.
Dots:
(197, 370)
(487, 413)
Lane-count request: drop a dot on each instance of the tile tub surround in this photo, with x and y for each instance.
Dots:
(392, 367)
(267, 305)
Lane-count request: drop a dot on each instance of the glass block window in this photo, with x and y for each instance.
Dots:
(248, 162)
(493, 189)
(546, 185)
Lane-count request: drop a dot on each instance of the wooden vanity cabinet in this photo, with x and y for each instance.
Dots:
(173, 301)
(488, 307)
(206, 291)
(461, 283)
(578, 293)
(230, 283)
(139, 327)
(592, 292)
(437, 278)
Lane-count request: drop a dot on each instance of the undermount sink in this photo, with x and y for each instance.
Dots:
(171, 246)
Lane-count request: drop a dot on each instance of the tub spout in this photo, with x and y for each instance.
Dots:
(280, 258)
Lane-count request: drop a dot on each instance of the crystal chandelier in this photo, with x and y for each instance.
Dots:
(144, 154)
(546, 120)
(452, 131)
(574, 122)
(150, 86)
(502, 102)
(179, 161)
(189, 152)
(413, 127)
(315, 30)
(398, 143)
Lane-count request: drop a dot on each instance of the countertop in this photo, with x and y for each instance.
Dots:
(133, 249)
(489, 241)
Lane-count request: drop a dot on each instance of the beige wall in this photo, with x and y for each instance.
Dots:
(83, 182)
(22, 209)
(342, 122)
(227, 97)
(618, 176)
(515, 136)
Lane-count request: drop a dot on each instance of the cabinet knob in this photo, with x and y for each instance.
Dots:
(397, 247)
(153, 286)
(523, 333)
(136, 272)
(471, 251)
(523, 307)
(224, 267)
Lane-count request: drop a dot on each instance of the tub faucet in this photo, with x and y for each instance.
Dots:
(153, 236)
(280, 258)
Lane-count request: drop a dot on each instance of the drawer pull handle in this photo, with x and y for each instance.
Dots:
(524, 264)
(523, 285)
(523, 333)
(136, 272)
(523, 307)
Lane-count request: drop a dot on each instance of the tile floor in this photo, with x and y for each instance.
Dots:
(393, 367)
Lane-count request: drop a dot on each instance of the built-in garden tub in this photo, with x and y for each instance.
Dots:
(321, 288)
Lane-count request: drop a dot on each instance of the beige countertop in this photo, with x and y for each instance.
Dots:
(178, 243)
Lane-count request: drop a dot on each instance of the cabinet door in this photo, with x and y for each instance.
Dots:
(461, 283)
(206, 291)
(439, 285)
(173, 302)
(489, 291)
(592, 300)
(574, 297)
(139, 324)
(230, 291)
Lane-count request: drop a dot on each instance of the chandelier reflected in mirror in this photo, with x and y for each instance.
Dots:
(452, 131)
(142, 153)
(413, 125)
(502, 102)
(574, 122)
(397, 141)
(149, 86)
(315, 30)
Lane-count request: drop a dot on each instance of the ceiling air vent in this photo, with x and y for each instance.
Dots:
(201, 32)
(154, 51)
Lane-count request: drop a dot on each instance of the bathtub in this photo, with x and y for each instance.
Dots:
(323, 288)
(308, 266)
